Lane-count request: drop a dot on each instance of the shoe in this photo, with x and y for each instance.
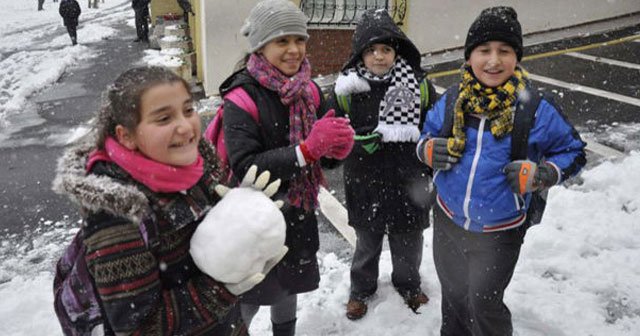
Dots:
(415, 301)
(356, 309)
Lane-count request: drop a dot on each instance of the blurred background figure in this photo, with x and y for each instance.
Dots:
(40, 5)
(141, 7)
(70, 11)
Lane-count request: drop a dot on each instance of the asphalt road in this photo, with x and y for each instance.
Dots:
(28, 157)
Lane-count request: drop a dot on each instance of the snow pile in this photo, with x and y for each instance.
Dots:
(238, 236)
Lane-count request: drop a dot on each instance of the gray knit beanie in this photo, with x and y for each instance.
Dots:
(270, 19)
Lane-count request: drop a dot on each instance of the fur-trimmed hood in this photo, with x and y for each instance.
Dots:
(93, 192)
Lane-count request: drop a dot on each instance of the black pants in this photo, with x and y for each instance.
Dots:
(72, 30)
(142, 23)
(406, 256)
(474, 270)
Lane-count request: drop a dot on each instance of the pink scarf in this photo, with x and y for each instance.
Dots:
(295, 92)
(158, 177)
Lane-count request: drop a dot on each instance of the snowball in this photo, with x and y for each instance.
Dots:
(238, 235)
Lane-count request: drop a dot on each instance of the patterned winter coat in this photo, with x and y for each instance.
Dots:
(148, 286)
(70, 11)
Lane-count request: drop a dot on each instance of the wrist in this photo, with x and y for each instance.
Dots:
(308, 157)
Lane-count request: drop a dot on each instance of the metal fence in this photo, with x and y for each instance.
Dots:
(345, 13)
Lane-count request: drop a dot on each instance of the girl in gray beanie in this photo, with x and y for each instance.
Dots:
(293, 137)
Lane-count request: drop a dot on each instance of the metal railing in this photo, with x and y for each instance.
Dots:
(346, 13)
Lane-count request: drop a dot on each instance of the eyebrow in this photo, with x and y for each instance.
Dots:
(167, 107)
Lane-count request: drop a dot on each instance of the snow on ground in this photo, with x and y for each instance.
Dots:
(35, 49)
(578, 273)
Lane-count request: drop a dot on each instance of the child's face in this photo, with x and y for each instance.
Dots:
(379, 58)
(493, 62)
(286, 53)
(169, 128)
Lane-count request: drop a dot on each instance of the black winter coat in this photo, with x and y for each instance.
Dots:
(386, 191)
(70, 11)
(139, 4)
(266, 144)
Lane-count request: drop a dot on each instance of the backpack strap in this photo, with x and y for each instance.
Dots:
(424, 93)
(449, 105)
(522, 123)
(241, 98)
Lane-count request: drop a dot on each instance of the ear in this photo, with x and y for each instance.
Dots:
(125, 137)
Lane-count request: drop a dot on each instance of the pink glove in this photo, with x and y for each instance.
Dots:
(327, 133)
(340, 152)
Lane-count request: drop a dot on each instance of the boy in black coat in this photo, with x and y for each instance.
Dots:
(386, 95)
(70, 11)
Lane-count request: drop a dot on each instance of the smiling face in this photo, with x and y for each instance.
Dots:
(493, 62)
(169, 127)
(379, 58)
(286, 53)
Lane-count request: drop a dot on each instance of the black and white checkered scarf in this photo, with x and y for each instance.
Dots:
(399, 112)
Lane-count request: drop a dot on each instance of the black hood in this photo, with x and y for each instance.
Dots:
(236, 79)
(376, 26)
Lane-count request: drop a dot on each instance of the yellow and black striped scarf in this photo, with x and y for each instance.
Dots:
(494, 103)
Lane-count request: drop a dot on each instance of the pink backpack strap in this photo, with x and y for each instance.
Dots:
(241, 98)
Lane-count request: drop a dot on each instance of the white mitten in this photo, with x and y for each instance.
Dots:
(242, 237)
(254, 279)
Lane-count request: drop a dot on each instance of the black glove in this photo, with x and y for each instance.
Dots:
(526, 176)
(435, 154)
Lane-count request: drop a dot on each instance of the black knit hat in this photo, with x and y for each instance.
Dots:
(495, 24)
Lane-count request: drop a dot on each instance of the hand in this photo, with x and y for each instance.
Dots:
(526, 176)
(327, 133)
(370, 142)
(259, 184)
(341, 151)
(436, 155)
(252, 280)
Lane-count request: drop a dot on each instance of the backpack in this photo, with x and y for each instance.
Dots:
(76, 301)
(344, 101)
(215, 131)
(522, 123)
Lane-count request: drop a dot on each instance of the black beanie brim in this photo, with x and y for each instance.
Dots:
(495, 24)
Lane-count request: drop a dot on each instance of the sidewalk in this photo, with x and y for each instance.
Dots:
(27, 170)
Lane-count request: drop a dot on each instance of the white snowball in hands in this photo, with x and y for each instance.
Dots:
(238, 236)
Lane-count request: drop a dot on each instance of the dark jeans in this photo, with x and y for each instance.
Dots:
(142, 23)
(72, 30)
(474, 270)
(406, 256)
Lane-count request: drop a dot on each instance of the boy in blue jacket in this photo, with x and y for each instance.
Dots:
(482, 193)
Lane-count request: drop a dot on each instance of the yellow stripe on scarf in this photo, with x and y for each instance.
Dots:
(494, 103)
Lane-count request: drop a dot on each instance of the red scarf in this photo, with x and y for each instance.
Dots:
(158, 177)
(295, 93)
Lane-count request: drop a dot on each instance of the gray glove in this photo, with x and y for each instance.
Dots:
(435, 154)
(526, 176)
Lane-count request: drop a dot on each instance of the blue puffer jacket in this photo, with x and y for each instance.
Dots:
(475, 192)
